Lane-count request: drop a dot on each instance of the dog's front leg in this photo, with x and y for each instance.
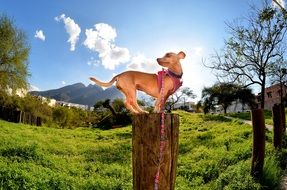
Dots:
(159, 105)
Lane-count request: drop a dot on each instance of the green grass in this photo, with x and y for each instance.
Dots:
(247, 116)
(48, 158)
(214, 153)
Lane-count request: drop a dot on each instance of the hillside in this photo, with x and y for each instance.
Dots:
(80, 94)
(214, 153)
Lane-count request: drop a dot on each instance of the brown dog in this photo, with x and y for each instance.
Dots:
(130, 81)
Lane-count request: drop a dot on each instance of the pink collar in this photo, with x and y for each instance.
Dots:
(176, 79)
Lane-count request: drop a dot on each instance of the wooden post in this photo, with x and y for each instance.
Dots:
(146, 143)
(258, 124)
(283, 118)
(278, 126)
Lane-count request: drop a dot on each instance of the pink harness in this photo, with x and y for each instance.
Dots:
(176, 79)
(176, 84)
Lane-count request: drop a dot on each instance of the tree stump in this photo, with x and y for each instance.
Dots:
(146, 151)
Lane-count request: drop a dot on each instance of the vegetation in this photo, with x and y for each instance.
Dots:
(254, 45)
(183, 95)
(279, 76)
(224, 94)
(59, 117)
(14, 55)
(112, 115)
(214, 153)
(65, 117)
(247, 116)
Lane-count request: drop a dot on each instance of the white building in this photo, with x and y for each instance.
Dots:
(188, 105)
(69, 104)
(50, 102)
(235, 107)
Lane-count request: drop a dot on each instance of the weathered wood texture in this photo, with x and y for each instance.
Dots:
(283, 118)
(258, 123)
(146, 143)
(277, 115)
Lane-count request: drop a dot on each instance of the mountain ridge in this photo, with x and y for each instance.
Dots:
(80, 94)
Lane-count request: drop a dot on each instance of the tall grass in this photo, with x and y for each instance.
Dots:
(247, 116)
(214, 153)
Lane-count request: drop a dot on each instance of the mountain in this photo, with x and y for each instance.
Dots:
(80, 94)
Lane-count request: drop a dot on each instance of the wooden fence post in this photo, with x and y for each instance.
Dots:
(277, 126)
(146, 143)
(258, 152)
(283, 118)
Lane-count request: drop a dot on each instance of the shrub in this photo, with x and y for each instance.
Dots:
(271, 172)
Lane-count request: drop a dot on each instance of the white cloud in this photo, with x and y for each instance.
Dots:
(72, 29)
(40, 35)
(93, 62)
(63, 82)
(101, 39)
(281, 2)
(141, 63)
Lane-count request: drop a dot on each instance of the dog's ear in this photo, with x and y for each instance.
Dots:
(181, 55)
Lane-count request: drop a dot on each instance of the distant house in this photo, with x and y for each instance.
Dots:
(69, 105)
(188, 106)
(235, 107)
(272, 96)
(50, 101)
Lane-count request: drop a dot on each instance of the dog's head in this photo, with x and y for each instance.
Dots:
(171, 59)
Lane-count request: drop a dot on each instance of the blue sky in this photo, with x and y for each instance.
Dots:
(73, 40)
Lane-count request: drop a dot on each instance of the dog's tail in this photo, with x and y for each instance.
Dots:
(104, 84)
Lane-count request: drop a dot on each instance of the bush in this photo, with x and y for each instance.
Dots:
(271, 172)
(236, 177)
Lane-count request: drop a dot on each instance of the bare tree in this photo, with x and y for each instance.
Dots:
(256, 43)
(181, 96)
(280, 6)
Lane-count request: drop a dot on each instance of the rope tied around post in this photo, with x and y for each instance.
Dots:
(162, 135)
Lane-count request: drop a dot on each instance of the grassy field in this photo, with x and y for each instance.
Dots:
(214, 153)
(247, 116)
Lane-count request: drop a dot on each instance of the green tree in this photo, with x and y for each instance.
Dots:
(224, 94)
(14, 53)
(98, 105)
(62, 116)
(246, 97)
(119, 106)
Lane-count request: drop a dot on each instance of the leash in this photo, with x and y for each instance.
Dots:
(162, 135)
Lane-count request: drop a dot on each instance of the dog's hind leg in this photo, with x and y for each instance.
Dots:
(130, 93)
(137, 107)
(129, 101)
(129, 106)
